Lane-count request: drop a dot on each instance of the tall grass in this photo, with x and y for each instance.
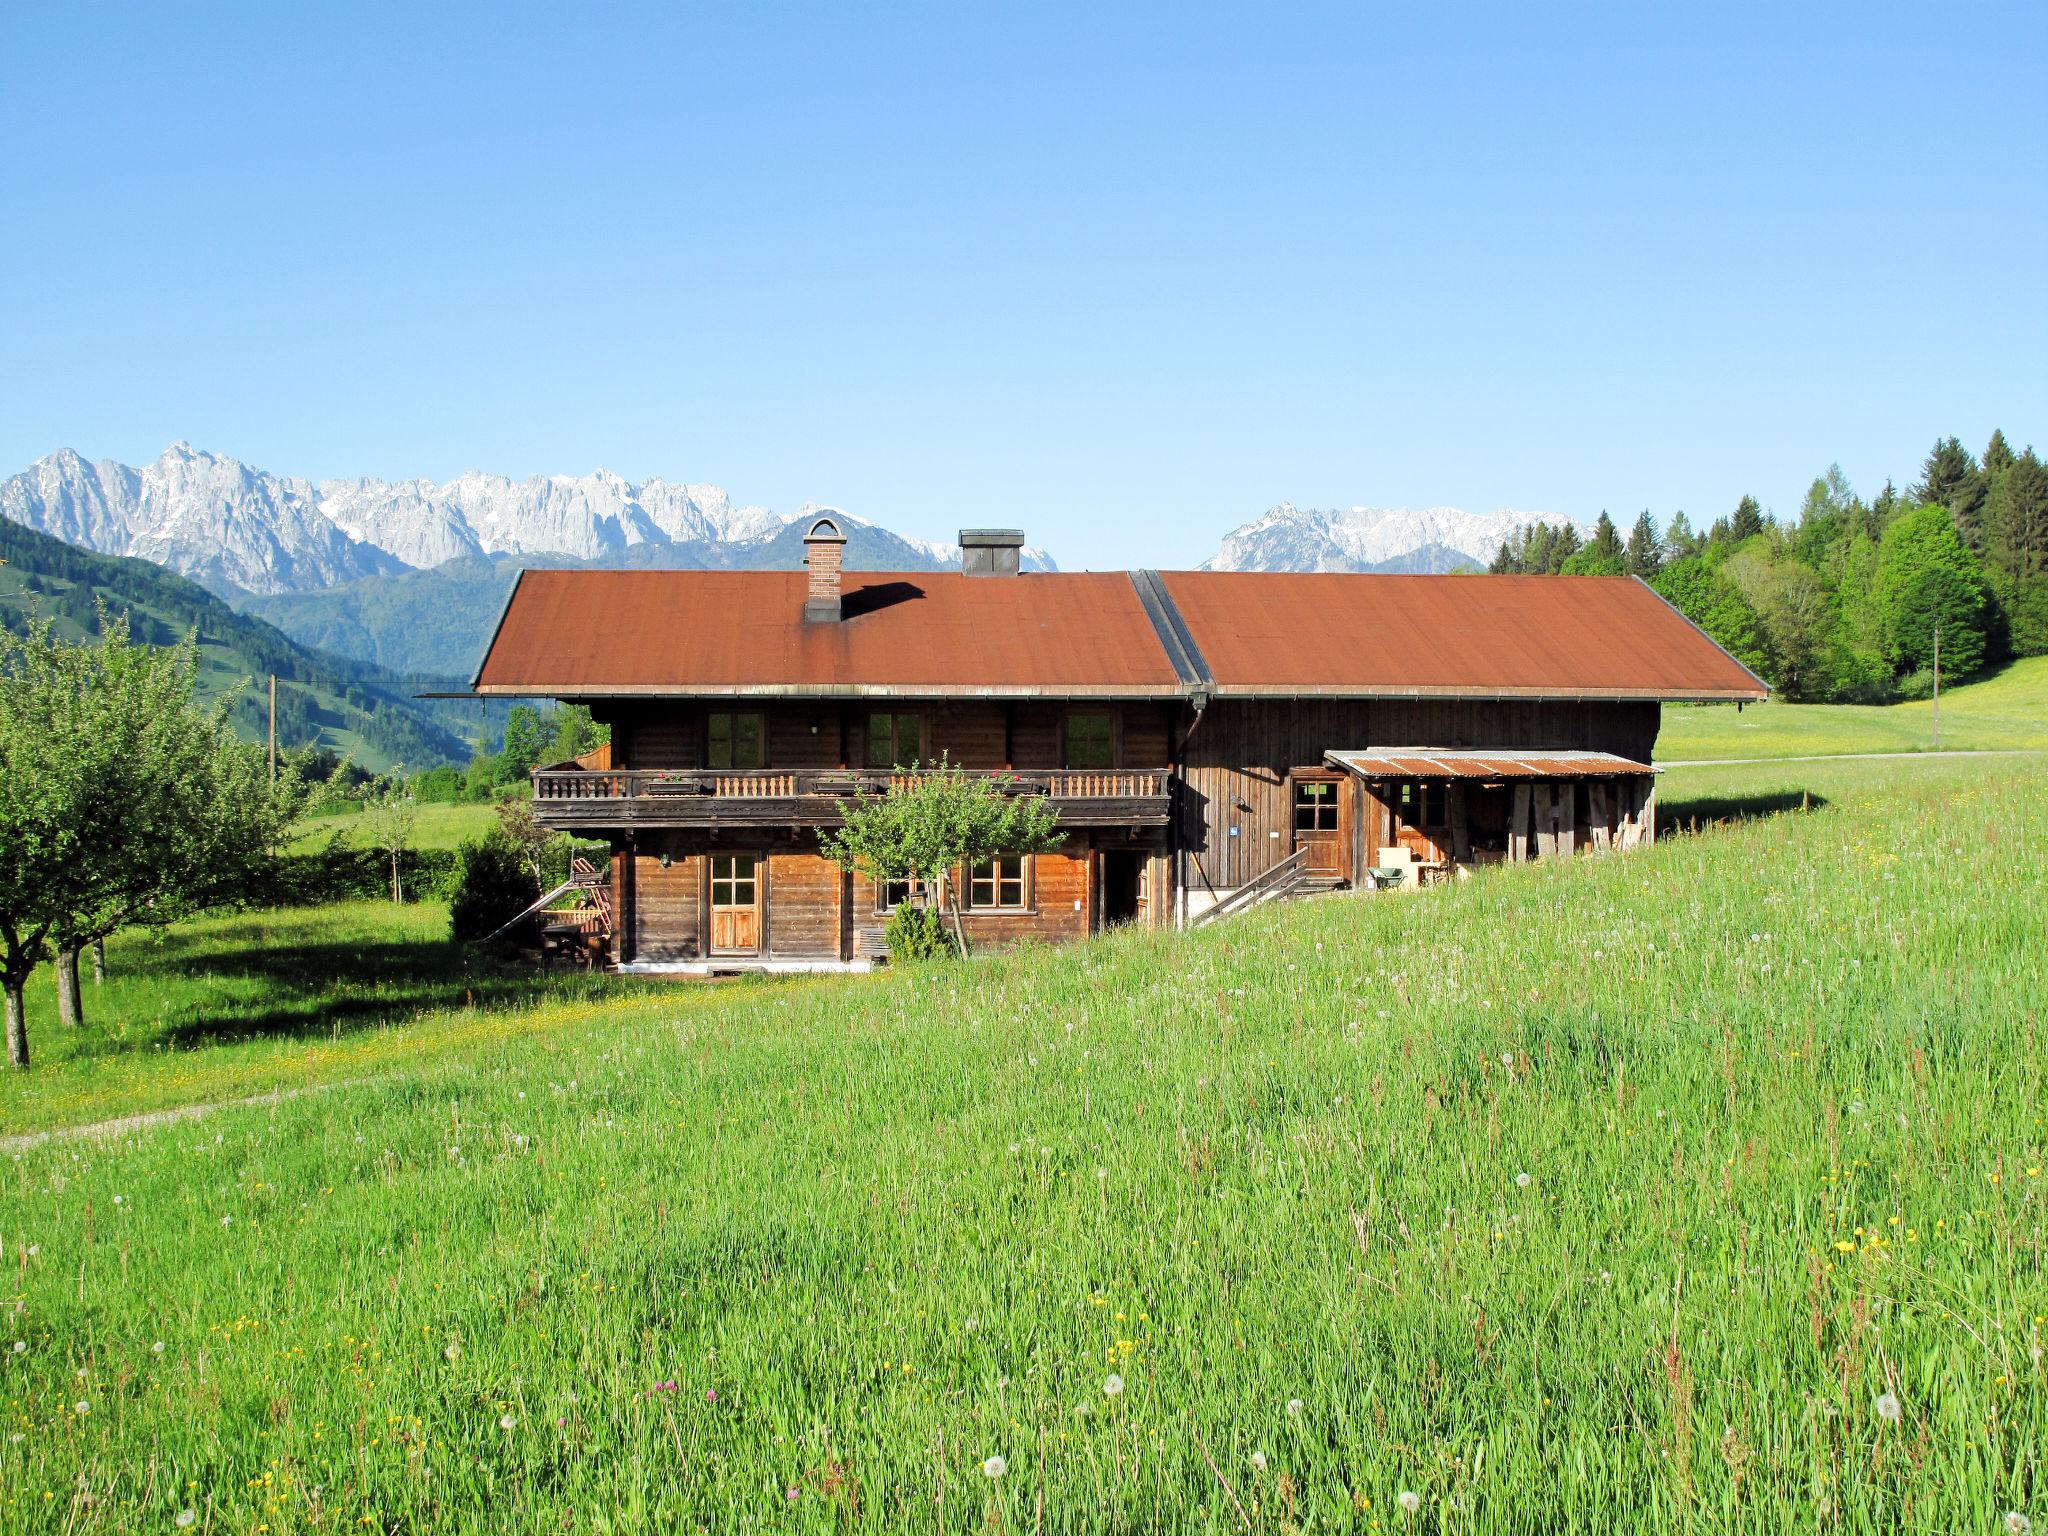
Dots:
(1610, 1196)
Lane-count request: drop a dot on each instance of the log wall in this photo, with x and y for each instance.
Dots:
(1025, 733)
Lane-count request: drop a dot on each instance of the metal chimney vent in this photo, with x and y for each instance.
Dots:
(991, 551)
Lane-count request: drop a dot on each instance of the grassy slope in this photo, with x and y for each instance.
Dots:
(2002, 712)
(435, 826)
(800, 1255)
(251, 1002)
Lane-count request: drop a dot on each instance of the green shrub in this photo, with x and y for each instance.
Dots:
(338, 871)
(492, 883)
(918, 933)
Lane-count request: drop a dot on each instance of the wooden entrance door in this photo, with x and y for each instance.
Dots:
(735, 904)
(1320, 824)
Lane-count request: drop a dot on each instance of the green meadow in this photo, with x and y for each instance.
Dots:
(1695, 1190)
(2007, 711)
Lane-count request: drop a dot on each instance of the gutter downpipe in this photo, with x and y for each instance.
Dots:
(1200, 702)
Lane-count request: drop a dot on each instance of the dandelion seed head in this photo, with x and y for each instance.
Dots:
(994, 1467)
(1523, 1181)
(1409, 1500)
(157, 1348)
(1294, 1407)
(506, 1421)
(184, 1517)
(1888, 1408)
(1112, 1385)
(451, 1351)
(2016, 1524)
(81, 1407)
(1259, 1460)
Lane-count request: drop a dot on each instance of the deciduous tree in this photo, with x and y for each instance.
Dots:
(934, 821)
(121, 799)
(1928, 579)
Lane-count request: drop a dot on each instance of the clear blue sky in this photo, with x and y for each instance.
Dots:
(1123, 279)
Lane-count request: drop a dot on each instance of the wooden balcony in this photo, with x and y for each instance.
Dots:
(582, 800)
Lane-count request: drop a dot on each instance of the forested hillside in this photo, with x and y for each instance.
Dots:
(361, 711)
(1843, 604)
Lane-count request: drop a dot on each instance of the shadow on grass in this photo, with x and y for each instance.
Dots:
(1689, 815)
(301, 988)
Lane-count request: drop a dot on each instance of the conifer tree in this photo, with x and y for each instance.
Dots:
(1644, 553)
(1680, 542)
(1998, 454)
(1748, 520)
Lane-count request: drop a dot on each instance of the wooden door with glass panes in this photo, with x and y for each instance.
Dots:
(735, 904)
(1321, 826)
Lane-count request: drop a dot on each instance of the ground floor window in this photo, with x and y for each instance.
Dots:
(1423, 804)
(1315, 805)
(732, 879)
(891, 894)
(997, 885)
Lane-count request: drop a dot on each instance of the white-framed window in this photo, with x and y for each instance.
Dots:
(1000, 885)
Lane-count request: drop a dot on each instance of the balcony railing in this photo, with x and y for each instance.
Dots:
(686, 796)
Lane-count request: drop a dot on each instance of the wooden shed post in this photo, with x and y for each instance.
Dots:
(1461, 832)
(1518, 824)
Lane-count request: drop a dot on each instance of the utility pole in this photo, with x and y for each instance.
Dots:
(1937, 685)
(273, 730)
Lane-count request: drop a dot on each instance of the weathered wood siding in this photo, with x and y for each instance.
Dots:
(804, 911)
(1240, 758)
(664, 906)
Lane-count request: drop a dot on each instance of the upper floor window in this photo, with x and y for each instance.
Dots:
(998, 884)
(1089, 741)
(733, 739)
(895, 740)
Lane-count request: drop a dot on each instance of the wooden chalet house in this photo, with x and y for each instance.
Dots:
(1202, 733)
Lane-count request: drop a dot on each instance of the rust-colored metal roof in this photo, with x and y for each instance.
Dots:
(588, 633)
(1472, 763)
(1581, 637)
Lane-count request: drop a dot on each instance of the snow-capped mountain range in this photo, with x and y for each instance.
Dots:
(247, 532)
(239, 529)
(1291, 538)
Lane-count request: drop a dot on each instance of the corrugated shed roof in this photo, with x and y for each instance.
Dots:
(1450, 636)
(1473, 763)
(570, 633)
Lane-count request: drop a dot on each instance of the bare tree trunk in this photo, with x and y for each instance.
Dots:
(17, 1026)
(959, 928)
(68, 1011)
(397, 889)
(99, 959)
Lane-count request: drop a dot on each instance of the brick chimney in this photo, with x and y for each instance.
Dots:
(991, 551)
(823, 546)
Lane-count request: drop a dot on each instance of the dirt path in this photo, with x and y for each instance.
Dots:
(1844, 757)
(121, 1125)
